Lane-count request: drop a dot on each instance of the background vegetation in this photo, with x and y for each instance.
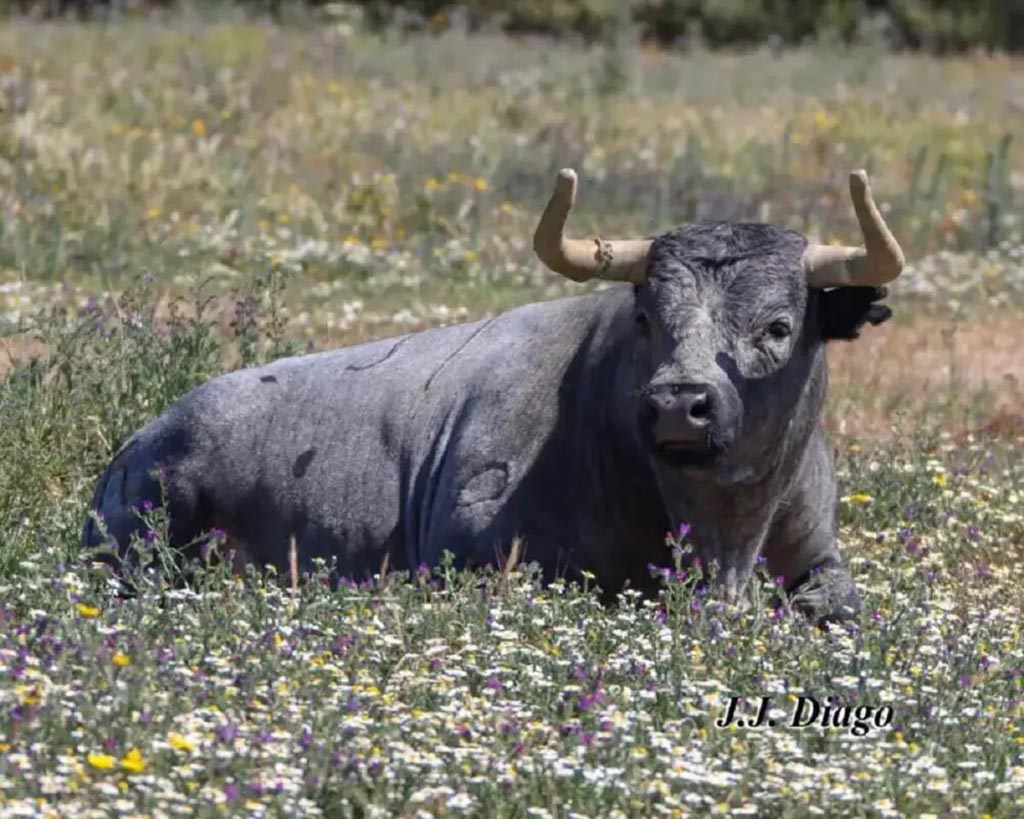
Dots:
(180, 198)
(932, 25)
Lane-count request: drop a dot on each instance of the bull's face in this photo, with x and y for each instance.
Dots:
(730, 336)
(720, 320)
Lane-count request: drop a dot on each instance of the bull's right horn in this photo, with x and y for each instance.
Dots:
(584, 259)
(878, 262)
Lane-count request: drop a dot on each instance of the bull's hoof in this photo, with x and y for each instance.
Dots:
(826, 595)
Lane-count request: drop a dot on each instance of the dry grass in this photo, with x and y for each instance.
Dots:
(970, 374)
(17, 349)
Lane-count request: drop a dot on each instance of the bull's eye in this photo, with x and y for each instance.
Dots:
(643, 325)
(779, 330)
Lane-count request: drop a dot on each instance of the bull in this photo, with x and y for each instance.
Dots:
(584, 427)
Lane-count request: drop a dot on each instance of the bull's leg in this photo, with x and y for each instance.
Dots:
(801, 545)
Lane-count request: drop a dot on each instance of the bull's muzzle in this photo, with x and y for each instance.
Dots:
(684, 421)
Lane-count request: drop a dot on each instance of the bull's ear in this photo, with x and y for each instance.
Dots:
(842, 312)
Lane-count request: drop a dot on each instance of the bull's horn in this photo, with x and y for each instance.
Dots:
(879, 261)
(584, 259)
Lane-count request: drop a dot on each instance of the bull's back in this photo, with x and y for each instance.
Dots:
(355, 452)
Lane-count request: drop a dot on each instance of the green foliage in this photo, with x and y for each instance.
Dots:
(109, 369)
(938, 26)
(957, 25)
(933, 25)
(746, 22)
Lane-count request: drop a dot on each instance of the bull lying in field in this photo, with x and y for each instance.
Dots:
(586, 427)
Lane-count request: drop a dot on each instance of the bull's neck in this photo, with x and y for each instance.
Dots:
(618, 512)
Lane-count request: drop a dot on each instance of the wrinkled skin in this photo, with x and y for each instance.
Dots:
(585, 427)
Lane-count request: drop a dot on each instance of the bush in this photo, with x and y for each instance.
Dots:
(932, 25)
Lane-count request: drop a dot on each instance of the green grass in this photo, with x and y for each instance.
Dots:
(184, 199)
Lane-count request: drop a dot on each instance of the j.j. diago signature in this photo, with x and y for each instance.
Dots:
(807, 712)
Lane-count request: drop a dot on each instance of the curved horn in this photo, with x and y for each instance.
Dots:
(585, 259)
(879, 261)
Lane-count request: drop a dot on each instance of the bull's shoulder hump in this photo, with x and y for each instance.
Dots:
(538, 336)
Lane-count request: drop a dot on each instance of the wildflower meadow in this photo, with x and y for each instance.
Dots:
(181, 197)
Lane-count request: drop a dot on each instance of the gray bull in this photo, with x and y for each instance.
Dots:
(586, 427)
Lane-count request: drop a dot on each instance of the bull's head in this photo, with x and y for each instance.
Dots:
(730, 324)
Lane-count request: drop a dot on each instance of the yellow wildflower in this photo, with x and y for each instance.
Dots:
(822, 119)
(179, 743)
(101, 762)
(198, 127)
(121, 659)
(858, 497)
(939, 480)
(480, 184)
(133, 761)
(87, 611)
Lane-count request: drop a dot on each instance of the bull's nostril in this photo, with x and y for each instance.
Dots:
(700, 407)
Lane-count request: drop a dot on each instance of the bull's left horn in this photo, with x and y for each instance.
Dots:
(583, 259)
(878, 262)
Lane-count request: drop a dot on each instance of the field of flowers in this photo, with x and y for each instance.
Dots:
(180, 199)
